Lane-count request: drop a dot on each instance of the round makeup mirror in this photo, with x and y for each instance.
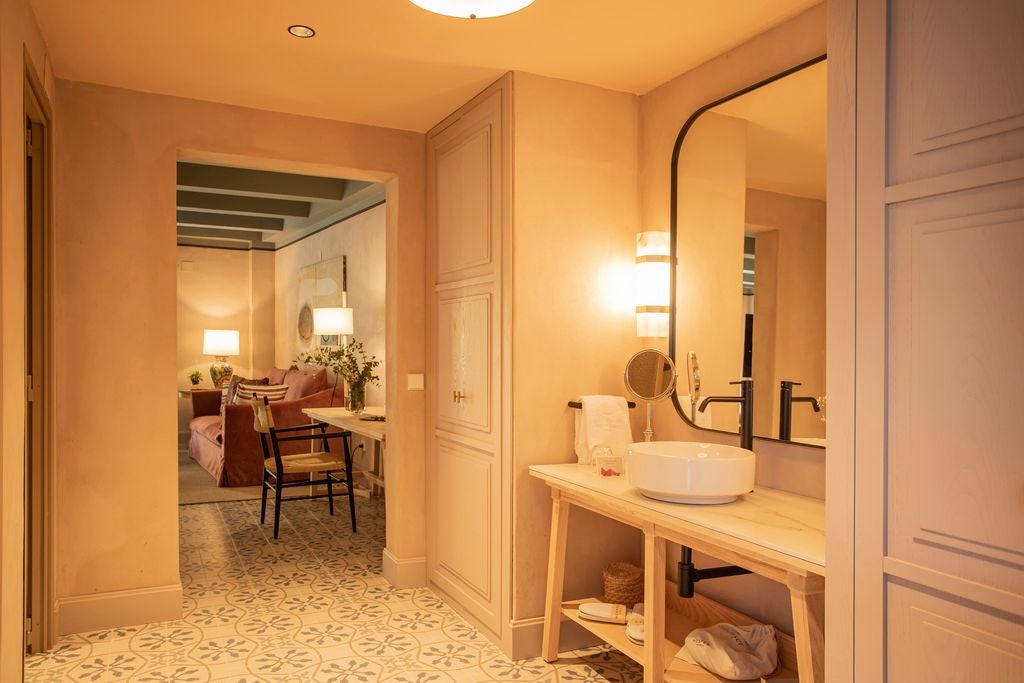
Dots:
(650, 376)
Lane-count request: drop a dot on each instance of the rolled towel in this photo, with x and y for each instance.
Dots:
(604, 420)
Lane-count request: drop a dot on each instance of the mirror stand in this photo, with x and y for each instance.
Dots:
(649, 432)
(650, 376)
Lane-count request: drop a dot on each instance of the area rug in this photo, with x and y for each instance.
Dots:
(195, 485)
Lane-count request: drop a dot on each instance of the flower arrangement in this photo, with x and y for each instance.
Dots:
(349, 363)
(195, 377)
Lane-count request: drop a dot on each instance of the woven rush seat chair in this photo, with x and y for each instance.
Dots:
(336, 467)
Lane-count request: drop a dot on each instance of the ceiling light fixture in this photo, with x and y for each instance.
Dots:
(472, 9)
(301, 31)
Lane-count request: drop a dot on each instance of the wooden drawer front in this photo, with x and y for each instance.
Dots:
(465, 362)
(953, 104)
(467, 551)
(955, 363)
(934, 638)
(466, 171)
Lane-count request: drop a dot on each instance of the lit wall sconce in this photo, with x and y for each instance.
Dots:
(220, 344)
(332, 321)
(652, 284)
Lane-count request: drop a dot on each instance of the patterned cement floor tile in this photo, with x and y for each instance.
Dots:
(312, 606)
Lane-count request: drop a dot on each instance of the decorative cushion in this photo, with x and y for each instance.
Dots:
(228, 393)
(274, 392)
(301, 385)
(276, 375)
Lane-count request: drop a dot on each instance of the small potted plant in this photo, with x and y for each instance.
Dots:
(195, 377)
(349, 363)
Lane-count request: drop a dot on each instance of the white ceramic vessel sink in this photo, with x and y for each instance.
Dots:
(690, 472)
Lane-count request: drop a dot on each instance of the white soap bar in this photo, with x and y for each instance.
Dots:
(603, 611)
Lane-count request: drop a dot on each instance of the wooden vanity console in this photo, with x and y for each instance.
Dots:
(778, 535)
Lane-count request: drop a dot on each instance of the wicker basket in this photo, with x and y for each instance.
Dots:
(623, 584)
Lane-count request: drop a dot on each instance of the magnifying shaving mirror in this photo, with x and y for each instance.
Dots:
(650, 376)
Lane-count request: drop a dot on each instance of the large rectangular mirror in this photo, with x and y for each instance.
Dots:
(748, 236)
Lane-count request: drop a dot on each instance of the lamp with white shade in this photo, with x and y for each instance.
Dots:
(220, 344)
(331, 321)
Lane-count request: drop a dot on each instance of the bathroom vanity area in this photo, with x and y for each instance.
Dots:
(778, 535)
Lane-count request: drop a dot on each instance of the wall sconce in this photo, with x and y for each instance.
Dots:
(220, 344)
(332, 321)
(653, 275)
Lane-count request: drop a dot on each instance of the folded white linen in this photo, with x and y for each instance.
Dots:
(603, 421)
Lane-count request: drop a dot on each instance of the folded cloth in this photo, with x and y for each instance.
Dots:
(738, 653)
(603, 421)
(603, 611)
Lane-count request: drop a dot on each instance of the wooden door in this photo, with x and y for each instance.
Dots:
(466, 208)
(939, 475)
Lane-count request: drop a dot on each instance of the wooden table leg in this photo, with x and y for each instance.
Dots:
(654, 607)
(556, 576)
(807, 597)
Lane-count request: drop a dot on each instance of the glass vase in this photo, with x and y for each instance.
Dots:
(356, 397)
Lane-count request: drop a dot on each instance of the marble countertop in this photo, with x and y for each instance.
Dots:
(784, 522)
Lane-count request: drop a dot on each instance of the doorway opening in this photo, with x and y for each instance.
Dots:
(38, 556)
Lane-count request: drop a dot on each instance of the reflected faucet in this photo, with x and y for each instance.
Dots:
(746, 401)
(786, 401)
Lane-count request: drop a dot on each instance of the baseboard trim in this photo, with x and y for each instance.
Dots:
(408, 572)
(524, 638)
(97, 611)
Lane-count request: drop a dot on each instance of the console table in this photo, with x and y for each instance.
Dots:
(343, 418)
(775, 534)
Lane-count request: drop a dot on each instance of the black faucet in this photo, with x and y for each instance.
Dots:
(746, 401)
(786, 401)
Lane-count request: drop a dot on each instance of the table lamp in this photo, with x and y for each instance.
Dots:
(220, 344)
(329, 321)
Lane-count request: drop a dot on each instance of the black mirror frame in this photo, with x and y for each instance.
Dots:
(674, 230)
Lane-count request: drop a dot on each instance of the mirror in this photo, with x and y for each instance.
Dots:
(748, 241)
(651, 376)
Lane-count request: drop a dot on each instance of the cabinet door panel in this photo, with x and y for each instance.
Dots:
(465, 185)
(933, 638)
(464, 348)
(467, 550)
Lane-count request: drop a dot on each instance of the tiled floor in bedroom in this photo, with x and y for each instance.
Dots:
(312, 606)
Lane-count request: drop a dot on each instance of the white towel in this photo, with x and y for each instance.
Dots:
(603, 421)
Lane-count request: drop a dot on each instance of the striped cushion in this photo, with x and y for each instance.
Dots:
(274, 392)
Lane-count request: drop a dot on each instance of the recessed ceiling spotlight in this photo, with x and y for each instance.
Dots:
(472, 9)
(300, 31)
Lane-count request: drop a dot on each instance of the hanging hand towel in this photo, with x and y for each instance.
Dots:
(604, 420)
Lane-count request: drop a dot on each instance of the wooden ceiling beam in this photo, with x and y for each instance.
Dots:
(201, 177)
(204, 219)
(232, 203)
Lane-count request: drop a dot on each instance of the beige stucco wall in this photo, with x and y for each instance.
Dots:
(21, 48)
(663, 111)
(575, 220)
(115, 297)
(798, 227)
(361, 238)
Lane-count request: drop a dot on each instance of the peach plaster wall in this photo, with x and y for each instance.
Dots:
(115, 299)
(663, 111)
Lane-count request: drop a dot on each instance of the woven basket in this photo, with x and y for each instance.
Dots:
(623, 584)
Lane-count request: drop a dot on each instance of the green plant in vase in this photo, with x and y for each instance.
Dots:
(195, 377)
(349, 363)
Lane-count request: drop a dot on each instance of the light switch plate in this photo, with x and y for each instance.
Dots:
(186, 266)
(415, 381)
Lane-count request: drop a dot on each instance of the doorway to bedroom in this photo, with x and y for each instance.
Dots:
(280, 275)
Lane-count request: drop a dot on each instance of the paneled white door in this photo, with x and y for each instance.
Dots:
(939, 562)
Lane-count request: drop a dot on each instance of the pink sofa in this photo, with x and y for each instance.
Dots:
(223, 441)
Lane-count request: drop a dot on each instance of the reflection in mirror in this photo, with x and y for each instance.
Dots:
(749, 240)
(650, 375)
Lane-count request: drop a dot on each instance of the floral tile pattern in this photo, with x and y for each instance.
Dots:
(312, 606)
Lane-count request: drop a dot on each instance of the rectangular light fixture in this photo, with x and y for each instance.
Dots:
(329, 321)
(653, 276)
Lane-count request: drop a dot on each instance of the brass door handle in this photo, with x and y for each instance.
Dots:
(458, 397)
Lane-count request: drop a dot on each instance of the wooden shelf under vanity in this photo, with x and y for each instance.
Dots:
(771, 533)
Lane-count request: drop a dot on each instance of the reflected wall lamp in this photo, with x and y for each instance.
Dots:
(220, 344)
(472, 9)
(652, 283)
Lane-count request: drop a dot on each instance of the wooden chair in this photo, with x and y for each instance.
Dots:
(277, 467)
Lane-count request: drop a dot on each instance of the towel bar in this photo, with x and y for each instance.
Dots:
(578, 405)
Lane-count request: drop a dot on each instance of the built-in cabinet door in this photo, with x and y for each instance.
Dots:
(466, 210)
(940, 338)
(465, 347)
